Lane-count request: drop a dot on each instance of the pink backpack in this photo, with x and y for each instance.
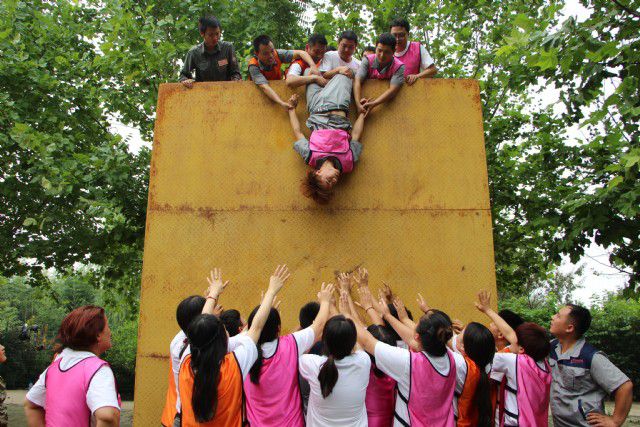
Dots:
(331, 142)
(66, 396)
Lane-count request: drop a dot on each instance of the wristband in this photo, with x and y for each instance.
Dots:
(213, 298)
(368, 308)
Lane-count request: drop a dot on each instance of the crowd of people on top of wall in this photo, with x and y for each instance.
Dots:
(355, 360)
(333, 78)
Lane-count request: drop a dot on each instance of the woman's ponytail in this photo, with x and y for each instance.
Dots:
(328, 376)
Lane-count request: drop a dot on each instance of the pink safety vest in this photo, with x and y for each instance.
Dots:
(534, 388)
(66, 392)
(380, 400)
(276, 401)
(375, 74)
(411, 59)
(331, 143)
(431, 394)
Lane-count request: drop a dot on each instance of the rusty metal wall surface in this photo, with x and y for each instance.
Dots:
(224, 191)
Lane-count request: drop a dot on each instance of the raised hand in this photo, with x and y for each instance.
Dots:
(387, 292)
(484, 301)
(326, 292)
(343, 282)
(217, 311)
(365, 297)
(382, 306)
(216, 285)
(400, 308)
(343, 303)
(276, 282)
(422, 304)
(361, 277)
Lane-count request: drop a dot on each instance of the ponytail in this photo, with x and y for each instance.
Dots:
(270, 332)
(328, 376)
(480, 347)
(338, 339)
(208, 342)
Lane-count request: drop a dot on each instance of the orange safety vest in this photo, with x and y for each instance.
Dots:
(169, 412)
(467, 409)
(303, 66)
(274, 74)
(230, 411)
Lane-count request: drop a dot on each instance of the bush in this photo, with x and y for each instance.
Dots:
(615, 328)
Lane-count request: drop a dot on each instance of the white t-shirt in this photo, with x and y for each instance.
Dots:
(506, 363)
(425, 59)
(396, 362)
(175, 349)
(102, 388)
(295, 70)
(332, 60)
(304, 338)
(345, 405)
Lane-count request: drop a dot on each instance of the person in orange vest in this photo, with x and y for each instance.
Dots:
(267, 62)
(417, 61)
(473, 405)
(211, 379)
(380, 66)
(316, 47)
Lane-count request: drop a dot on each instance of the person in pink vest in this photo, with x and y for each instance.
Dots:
(427, 378)
(78, 388)
(383, 65)
(417, 61)
(330, 150)
(272, 388)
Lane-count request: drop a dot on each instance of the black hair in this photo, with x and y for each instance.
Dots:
(435, 331)
(380, 333)
(480, 346)
(317, 39)
(349, 35)
(331, 48)
(581, 319)
(270, 332)
(399, 22)
(370, 48)
(208, 22)
(261, 40)
(308, 314)
(208, 343)
(188, 309)
(338, 339)
(394, 313)
(387, 39)
(232, 321)
(513, 319)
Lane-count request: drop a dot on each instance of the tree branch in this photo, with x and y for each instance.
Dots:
(627, 9)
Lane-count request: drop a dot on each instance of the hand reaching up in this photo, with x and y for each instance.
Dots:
(343, 282)
(484, 301)
(387, 293)
(400, 308)
(216, 285)
(326, 292)
(276, 282)
(422, 304)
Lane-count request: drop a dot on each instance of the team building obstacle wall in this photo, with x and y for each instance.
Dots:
(224, 192)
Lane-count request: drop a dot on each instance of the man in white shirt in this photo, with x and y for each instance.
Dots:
(423, 66)
(316, 48)
(342, 60)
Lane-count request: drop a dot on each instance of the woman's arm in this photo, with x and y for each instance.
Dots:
(34, 414)
(275, 284)
(484, 305)
(293, 118)
(358, 126)
(216, 287)
(324, 296)
(402, 313)
(107, 416)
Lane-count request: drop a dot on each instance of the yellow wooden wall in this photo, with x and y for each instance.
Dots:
(224, 191)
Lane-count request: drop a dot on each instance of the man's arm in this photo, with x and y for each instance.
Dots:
(263, 84)
(306, 58)
(623, 401)
(233, 68)
(387, 95)
(295, 80)
(186, 76)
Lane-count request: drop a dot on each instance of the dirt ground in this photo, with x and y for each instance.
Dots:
(16, 413)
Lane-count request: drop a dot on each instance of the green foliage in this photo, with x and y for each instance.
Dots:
(615, 327)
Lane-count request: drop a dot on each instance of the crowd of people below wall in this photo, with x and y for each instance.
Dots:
(356, 360)
(332, 79)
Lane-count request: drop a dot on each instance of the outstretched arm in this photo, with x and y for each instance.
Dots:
(357, 95)
(216, 287)
(358, 127)
(405, 332)
(293, 118)
(272, 95)
(295, 81)
(324, 296)
(388, 95)
(484, 305)
(275, 284)
(308, 59)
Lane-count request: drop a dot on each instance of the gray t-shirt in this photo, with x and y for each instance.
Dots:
(397, 78)
(286, 56)
(302, 147)
(572, 383)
